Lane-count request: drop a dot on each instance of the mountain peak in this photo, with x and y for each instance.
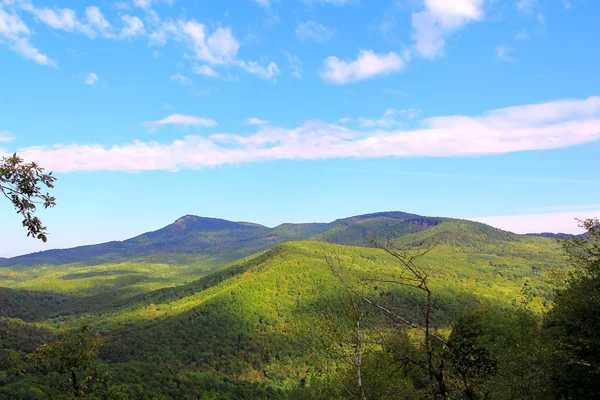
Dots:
(194, 222)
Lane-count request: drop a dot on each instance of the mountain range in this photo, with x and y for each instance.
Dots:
(233, 306)
(220, 241)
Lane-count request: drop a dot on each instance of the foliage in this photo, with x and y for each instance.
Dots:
(73, 365)
(21, 183)
(572, 326)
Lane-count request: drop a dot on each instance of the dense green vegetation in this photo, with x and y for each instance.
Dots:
(272, 324)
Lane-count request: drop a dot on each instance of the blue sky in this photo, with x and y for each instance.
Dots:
(301, 110)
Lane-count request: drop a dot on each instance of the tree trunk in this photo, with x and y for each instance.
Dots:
(75, 384)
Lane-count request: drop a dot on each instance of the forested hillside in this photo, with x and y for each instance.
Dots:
(268, 325)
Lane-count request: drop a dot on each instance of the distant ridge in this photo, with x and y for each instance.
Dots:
(218, 241)
(550, 235)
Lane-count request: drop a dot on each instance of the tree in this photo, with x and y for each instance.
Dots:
(74, 359)
(573, 326)
(413, 276)
(22, 183)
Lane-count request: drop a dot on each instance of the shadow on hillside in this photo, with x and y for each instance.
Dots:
(37, 305)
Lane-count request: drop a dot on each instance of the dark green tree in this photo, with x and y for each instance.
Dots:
(74, 359)
(573, 326)
(470, 359)
(22, 184)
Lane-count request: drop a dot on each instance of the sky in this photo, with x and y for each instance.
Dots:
(275, 111)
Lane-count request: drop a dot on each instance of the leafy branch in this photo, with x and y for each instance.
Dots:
(22, 183)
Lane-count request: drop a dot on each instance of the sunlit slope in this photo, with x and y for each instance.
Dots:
(466, 251)
(255, 312)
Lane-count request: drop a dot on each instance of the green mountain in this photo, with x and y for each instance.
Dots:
(218, 241)
(249, 329)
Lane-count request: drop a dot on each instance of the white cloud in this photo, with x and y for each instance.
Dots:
(220, 47)
(144, 4)
(180, 120)
(503, 54)
(269, 72)
(96, 19)
(23, 47)
(263, 3)
(217, 48)
(367, 65)
(389, 120)
(91, 79)
(567, 4)
(64, 19)
(181, 79)
(541, 18)
(522, 35)
(295, 65)
(15, 33)
(410, 113)
(331, 2)
(256, 121)
(439, 19)
(525, 6)
(556, 222)
(544, 126)
(133, 26)
(6, 137)
(121, 5)
(314, 31)
(205, 70)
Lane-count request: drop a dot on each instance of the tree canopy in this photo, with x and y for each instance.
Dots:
(22, 184)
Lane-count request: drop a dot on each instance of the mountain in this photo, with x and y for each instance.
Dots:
(217, 241)
(550, 235)
(254, 320)
(248, 330)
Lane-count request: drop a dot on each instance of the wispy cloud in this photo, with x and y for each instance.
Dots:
(526, 6)
(391, 118)
(503, 54)
(96, 19)
(181, 79)
(133, 26)
(219, 47)
(263, 3)
(256, 121)
(295, 65)
(17, 35)
(367, 65)
(439, 19)
(268, 72)
(91, 79)
(314, 31)
(180, 120)
(143, 4)
(410, 113)
(205, 70)
(6, 137)
(523, 35)
(544, 126)
(331, 2)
